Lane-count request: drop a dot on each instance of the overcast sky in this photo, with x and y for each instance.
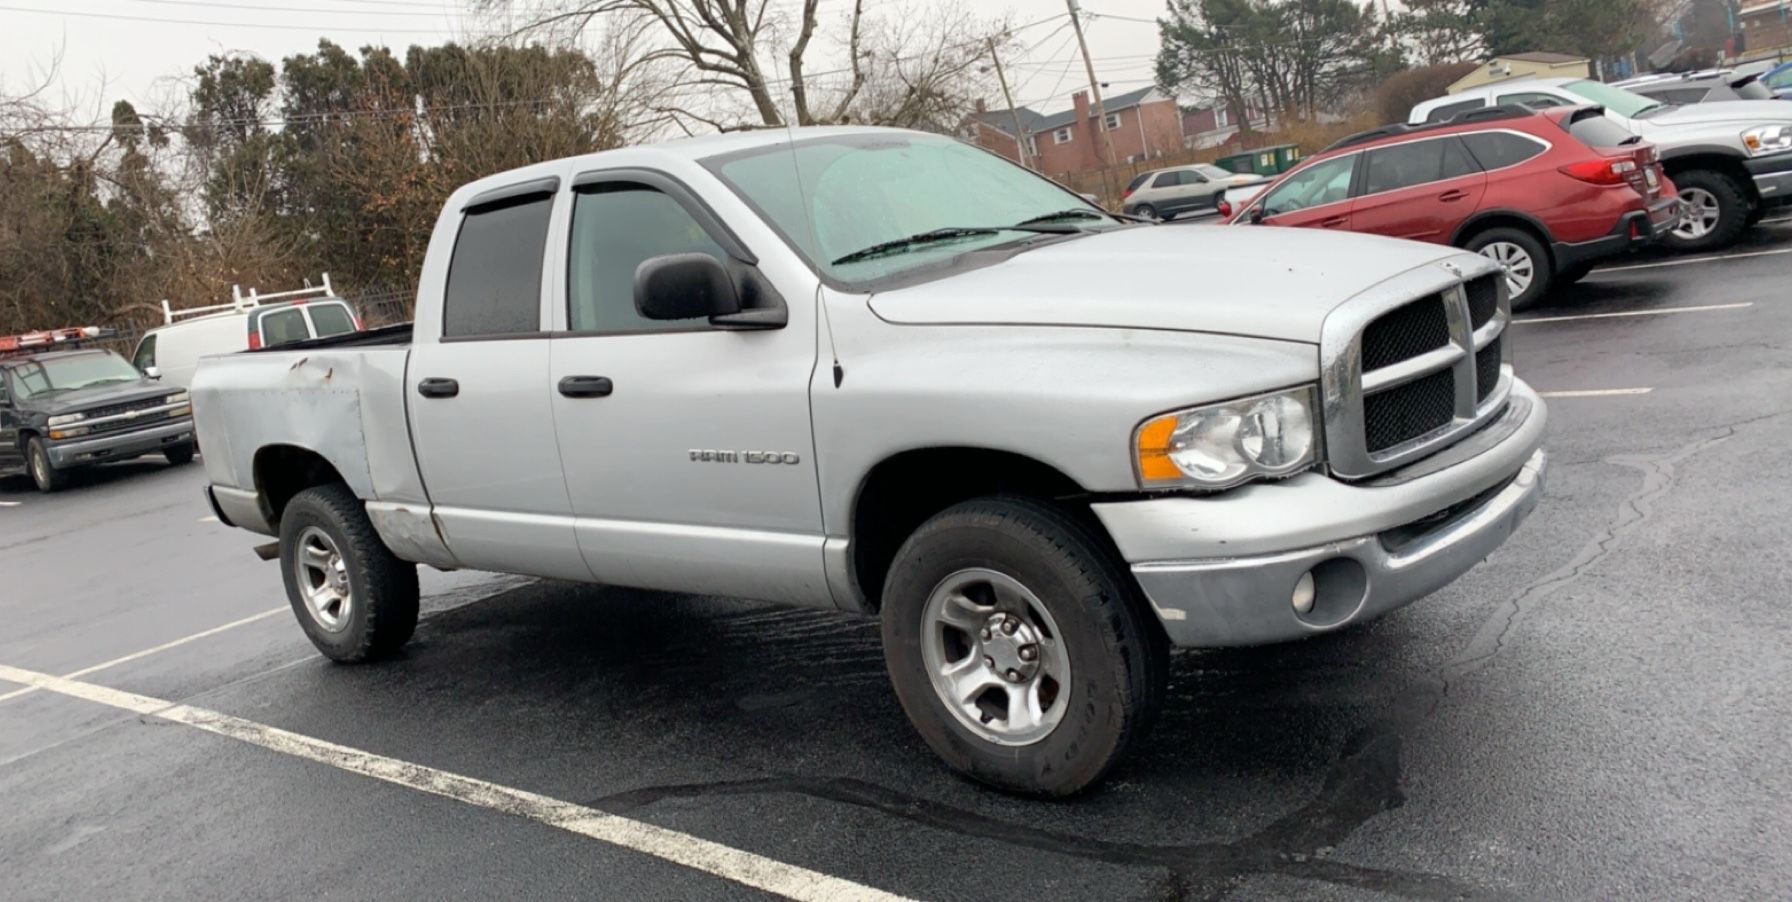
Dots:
(136, 49)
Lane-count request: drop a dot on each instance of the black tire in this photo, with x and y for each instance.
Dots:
(1146, 210)
(178, 454)
(1573, 274)
(43, 473)
(383, 612)
(1120, 654)
(1732, 210)
(1542, 270)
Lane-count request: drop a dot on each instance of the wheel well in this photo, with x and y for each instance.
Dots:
(901, 493)
(25, 436)
(1506, 221)
(1727, 165)
(282, 471)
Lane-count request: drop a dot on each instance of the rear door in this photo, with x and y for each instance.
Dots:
(478, 393)
(1315, 197)
(1420, 190)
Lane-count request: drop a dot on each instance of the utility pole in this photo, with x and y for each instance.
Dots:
(1101, 112)
(1020, 131)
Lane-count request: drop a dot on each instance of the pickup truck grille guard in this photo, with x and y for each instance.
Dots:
(1414, 365)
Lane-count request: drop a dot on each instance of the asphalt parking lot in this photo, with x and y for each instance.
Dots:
(1598, 711)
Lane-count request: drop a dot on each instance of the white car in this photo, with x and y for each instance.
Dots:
(250, 321)
(1164, 193)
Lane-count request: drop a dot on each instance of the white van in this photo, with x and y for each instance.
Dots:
(249, 322)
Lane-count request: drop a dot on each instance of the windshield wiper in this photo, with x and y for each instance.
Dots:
(1074, 213)
(929, 237)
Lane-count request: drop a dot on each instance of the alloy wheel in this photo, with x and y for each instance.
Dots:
(995, 657)
(1520, 269)
(1702, 214)
(323, 580)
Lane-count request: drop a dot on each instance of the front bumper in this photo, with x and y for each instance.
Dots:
(121, 445)
(1220, 570)
(1773, 177)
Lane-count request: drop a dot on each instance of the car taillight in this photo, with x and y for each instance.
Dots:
(254, 341)
(1601, 172)
(1225, 209)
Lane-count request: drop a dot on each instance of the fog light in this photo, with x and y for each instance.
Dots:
(1303, 594)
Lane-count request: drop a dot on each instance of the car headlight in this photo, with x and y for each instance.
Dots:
(1222, 445)
(179, 397)
(1764, 139)
(72, 432)
(66, 418)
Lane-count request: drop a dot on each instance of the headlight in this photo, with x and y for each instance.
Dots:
(1222, 445)
(1763, 139)
(179, 397)
(73, 432)
(66, 418)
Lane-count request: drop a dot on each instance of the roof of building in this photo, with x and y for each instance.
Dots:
(1543, 56)
(1112, 104)
(1004, 119)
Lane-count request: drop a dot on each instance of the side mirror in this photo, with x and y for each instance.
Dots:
(684, 286)
(1257, 215)
(152, 372)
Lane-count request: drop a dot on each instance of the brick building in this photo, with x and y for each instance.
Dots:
(1143, 124)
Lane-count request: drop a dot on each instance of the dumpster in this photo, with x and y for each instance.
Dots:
(1273, 160)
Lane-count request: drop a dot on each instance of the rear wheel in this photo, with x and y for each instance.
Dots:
(1146, 210)
(354, 598)
(178, 454)
(1019, 647)
(43, 472)
(1521, 255)
(1717, 211)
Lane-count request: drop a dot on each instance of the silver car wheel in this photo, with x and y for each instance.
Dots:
(995, 657)
(1520, 269)
(1702, 214)
(323, 580)
(40, 470)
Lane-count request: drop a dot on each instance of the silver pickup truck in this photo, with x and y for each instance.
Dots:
(888, 373)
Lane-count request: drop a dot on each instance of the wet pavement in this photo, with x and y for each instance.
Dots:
(1598, 711)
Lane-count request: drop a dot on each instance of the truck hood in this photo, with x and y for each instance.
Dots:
(1258, 281)
(1741, 112)
(101, 396)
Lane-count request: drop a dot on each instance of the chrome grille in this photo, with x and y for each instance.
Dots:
(128, 406)
(1414, 364)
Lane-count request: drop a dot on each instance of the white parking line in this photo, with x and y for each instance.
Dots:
(1656, 312)
(727, 862)
(150, 651)
(1688, 261)
(208, 519)
(10, 503)
(1595, 392)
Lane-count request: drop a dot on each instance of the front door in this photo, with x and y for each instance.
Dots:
(12, 456)
(478, 397)
(1315, 197)
(687, 448)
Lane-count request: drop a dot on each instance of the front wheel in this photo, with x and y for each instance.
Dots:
(354, 598)
(1019, 647)
(43, 472)
(1145, 210)
(1716, 211)
(1521, 255)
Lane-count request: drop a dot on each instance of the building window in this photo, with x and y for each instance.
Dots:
(1061, 136)
(1221, 117)
(1032, 146)
(1113, 121)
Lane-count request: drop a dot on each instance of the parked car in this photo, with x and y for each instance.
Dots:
(63, 407)
(250, 321)
(1697, 87)
(887, 372)
(1165, 193)
(1731, 160)
(1545, 195)
(1779, 80)
(1234, 199)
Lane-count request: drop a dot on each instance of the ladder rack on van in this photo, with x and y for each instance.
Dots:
(240, 302)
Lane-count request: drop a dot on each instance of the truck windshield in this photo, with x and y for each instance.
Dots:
(43, 377)
(867, 207)
(1628, 104)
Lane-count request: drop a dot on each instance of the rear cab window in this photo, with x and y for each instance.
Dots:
(282, 327)
(494, 275)
(329, 319)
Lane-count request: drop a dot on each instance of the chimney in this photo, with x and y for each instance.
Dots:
(1081, 101)
(981, 106)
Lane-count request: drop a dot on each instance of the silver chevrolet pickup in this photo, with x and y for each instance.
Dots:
(888, 373)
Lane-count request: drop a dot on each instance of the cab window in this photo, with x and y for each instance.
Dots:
(1443, 113)
(146, 353)
(1325, 182)
(331, 319)
(283, 327)
(617, 226)
(494, 275)
(1534, 100)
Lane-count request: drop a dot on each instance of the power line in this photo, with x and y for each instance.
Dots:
(311, 28)
(335, 11)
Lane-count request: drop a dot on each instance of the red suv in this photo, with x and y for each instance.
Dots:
(1547, 194)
